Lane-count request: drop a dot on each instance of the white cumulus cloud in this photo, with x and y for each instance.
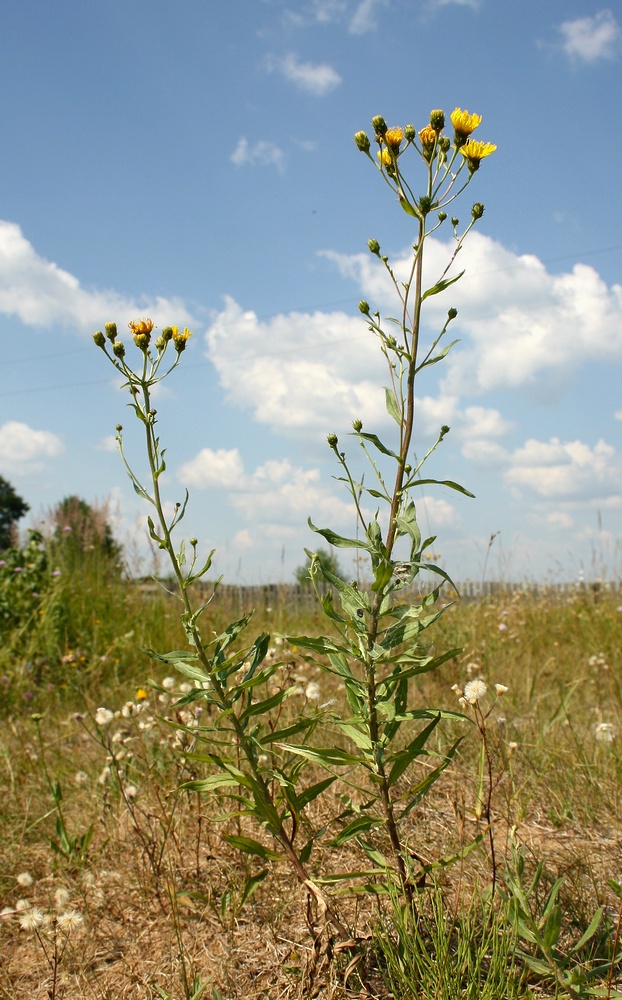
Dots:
(588, 39)
(24, 449)
(570, 470)
(363, 19)
(314, 78)
(261, 153)
(40, 293)
(222, 469)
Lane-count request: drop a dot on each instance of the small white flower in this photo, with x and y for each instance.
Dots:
(185, 687)
(605, 732)
(131, 791)
(32, 919)
(128, 709)
(474, 691)
(80, 777)
(24, 879)
(103, 716)
(69, 920)
(512, 746)
(168, 683)
(22, 904)
(500, 689)
(457, 690)
(312, 691)
(502, 627)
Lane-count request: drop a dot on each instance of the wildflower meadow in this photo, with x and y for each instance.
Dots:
(383, 791)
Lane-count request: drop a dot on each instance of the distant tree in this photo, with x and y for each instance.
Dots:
(81, 527)
(12, 507)
(327, 560)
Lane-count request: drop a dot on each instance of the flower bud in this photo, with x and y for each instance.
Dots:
(455, 222)
(99, 339)
(444, 430)
(364, 307)
(160, 343)
(362, 141)
(409, 132)
(374, 246)
(194, 542)
(357, 425)
(119, 428)
(452, 313)
(442, 216)
(425, 204)
(118, 349)
(332, 440)
(111, 332)
(478, 210)
(141, 340)
(437, 120)
(167, 333)
(380, 126)
(444, 143)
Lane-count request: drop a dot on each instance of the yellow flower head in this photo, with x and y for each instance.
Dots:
(141, 694)
(141, 325)
(393, 138)
(475, 151)
(385, 158)
(180, 339)
(427, 137)
(463, 124)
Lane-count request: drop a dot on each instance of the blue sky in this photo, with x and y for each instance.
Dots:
(195, 162)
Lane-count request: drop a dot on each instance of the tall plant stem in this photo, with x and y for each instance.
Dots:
(405, 442)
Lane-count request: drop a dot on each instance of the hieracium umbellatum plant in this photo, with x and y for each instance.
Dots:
(381, 645)
(256, 750)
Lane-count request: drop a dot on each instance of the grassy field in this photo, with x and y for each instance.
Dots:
(115, 883)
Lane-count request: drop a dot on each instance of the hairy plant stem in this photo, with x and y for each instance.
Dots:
(193, 633)
(406, 434)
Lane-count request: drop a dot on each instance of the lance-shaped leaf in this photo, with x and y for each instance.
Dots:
(301, 726)
(375, 440)
(338, 540)
(415, 748)
(442, 482)
(265, 706)
(250, 846)
(392, 405)
(326, 756)
(441, 285)
(415, 794)
(251, 884)
(359, 825)
(437, 357)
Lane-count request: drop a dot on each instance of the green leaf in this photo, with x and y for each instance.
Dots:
(441, 285)
(415, 748)
(313, 791)
(437, 357)
(338, 540)
(375, 440)
(408, 208)
(442, 482)
(421, 789)
(326, 756)
(589, 933)
(211, 783)
(353, 829)
(265, 706)
(284, 734)
(251, 885)
(392, 406)
(250, 846)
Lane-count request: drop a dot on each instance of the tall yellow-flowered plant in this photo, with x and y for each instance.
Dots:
(381, 644)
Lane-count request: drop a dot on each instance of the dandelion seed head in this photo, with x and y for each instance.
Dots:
(70, 920)
(103, 716)
(474, 691)
(61, 898)
(500, 689)
(24, 879)
(32, 919)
